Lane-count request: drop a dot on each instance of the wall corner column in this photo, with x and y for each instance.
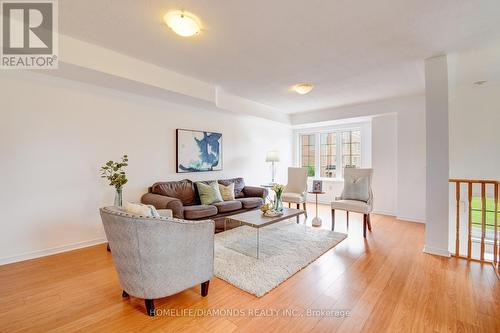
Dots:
(437, 155)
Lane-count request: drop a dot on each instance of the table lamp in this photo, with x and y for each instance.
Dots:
(273, 157)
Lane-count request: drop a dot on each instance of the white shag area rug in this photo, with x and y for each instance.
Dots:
(285, 248)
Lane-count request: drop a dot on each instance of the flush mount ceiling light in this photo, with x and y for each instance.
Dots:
(182, 23)
(302, 88)
(480, 83)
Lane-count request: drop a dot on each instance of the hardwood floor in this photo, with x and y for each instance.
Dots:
(385, 281)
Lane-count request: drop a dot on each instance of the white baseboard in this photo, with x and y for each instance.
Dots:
(379, 212)
(50, 251)
(383, 212)
(437, 251)
(410, 219)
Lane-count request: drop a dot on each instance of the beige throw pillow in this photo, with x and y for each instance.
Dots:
(227, 192)
(140, 209)
(356, 189)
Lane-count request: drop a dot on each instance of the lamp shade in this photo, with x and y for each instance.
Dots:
(272, 156)
(182, 23)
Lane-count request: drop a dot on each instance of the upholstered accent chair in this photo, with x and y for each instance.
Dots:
(359, 200)
(296, 189)
(156, 257)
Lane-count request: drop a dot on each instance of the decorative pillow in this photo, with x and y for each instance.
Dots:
(209, 193)
(154, 212)
(356, 189)
(239, 185)
(227, 192)
(140, 209)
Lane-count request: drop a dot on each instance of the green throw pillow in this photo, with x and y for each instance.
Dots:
(209, 193)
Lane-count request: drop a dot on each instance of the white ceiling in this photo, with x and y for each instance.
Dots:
(353, 51)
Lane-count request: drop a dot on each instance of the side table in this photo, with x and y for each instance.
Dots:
(316, 221)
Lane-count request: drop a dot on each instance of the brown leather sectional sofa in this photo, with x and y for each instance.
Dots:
(183, 199)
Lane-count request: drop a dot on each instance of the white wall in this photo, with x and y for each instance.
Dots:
(56, 133)
(384, 163)
(475, 131)
(399, 161)
(411, 161)
(385, 106)
(475, 113)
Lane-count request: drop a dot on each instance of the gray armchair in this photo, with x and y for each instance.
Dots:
(159, 257)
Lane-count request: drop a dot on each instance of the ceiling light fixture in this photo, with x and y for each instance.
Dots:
(182, 23)
(479, 83)
(302, 88)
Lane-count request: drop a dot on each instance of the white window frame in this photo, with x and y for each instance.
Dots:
(317, 139)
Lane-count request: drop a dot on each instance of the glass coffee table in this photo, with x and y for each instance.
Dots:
(257, 221)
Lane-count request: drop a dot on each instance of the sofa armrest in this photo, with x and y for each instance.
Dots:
(254, 191)
(164, 202)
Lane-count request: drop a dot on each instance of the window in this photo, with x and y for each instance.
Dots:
(328, 157)
(308, 153)
(325, 154)
(351, 149)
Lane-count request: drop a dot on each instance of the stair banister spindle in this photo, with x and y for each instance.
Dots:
(457, 236)
(483, 218)
(469, 223)
(495, 239)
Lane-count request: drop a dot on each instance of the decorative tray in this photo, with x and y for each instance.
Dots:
(272, 213)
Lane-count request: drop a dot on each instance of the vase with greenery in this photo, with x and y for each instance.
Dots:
(115, 174)
(278, 204)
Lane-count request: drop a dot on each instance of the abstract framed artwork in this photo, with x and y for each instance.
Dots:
(198, 151)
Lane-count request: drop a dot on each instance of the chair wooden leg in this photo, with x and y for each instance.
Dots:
(124, 294)
(347, 218)
(108, 248)
(305, 208)
(333, 219)
(364, 225)
(369, 222)
(289, 205)
(204, 288)
(150, 307)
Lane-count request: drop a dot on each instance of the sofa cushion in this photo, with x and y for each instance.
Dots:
(199, 211)
(351, 206)
(251, 202)
(239, 184)
(182, 190)
(228, 206)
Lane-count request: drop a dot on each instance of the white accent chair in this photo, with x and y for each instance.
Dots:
(296, 189)
(347, 203)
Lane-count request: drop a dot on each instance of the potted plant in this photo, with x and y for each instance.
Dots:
(115, 174)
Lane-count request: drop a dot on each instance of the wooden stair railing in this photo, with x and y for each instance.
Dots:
(484, 186)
